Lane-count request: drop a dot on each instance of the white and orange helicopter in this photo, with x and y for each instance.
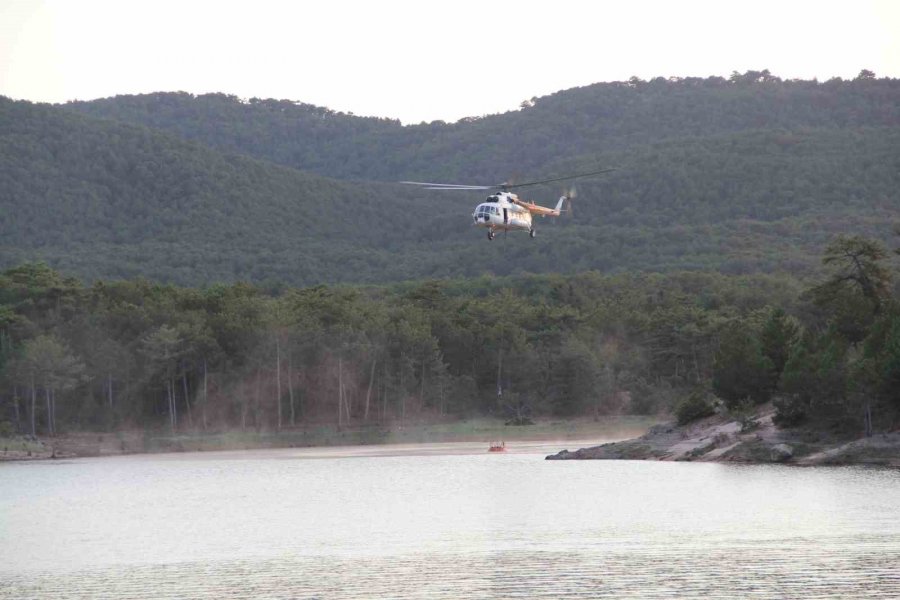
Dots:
(504, 210)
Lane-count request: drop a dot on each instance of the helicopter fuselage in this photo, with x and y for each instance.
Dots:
(501, 212)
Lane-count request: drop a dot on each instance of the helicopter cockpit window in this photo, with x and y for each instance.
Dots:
(484, 210)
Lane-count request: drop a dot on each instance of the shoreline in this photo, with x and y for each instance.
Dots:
(479, 430)
(720, 439)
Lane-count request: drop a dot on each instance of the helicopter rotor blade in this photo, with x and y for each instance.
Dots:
(505, 186)
(448, 186)
(475, 188)
(518, 185)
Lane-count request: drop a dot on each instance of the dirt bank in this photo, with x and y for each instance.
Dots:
(720, 439)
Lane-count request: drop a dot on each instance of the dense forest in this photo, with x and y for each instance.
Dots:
(135, 353)
(742, 175)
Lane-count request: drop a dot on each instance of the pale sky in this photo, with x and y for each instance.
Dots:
(424, 60)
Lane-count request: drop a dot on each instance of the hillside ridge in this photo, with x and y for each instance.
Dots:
(743, 176)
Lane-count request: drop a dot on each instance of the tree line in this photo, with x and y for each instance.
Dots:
(140, 354)
(137, 354)
(837, 367)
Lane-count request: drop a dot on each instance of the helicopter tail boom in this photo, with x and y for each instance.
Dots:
(543, 211)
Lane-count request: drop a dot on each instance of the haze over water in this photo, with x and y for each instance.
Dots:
(433, 521)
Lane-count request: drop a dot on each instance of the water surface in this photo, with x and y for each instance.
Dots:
(442, 521)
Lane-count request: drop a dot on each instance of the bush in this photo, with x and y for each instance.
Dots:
(696, 406)
(790, 411)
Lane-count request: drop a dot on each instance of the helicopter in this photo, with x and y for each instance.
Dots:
(504, 210)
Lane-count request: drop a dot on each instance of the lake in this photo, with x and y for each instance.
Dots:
(442, 521)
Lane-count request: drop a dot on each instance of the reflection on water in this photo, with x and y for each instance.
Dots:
(442, 521)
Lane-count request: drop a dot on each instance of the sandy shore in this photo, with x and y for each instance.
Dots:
(548, 435)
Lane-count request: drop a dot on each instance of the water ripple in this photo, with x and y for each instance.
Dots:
(858, 570)
(443, 527)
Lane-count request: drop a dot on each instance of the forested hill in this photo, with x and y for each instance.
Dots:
(602, 117)
(106, 199)
(736, 176)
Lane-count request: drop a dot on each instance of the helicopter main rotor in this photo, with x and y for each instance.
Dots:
(501, 187)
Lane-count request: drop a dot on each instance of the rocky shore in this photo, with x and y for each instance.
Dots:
(722, 439)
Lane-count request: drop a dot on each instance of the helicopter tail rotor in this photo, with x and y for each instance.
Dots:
(565, 201)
